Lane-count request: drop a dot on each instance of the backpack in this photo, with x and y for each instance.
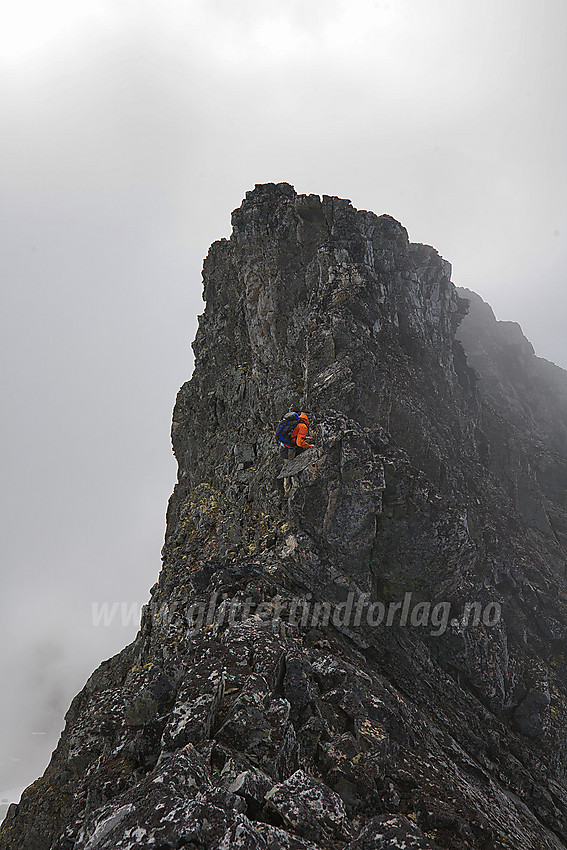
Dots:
(285, 428)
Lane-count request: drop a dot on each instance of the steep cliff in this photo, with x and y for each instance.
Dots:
(379, 659)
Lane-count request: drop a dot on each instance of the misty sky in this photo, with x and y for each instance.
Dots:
(129, 130)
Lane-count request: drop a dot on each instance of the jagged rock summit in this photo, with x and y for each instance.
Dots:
(379, 659)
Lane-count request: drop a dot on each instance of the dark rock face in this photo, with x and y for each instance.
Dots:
(378, 659)
(524, 417)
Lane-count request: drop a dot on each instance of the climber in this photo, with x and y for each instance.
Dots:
(291, 433)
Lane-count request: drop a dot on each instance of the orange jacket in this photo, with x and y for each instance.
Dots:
(299, 434)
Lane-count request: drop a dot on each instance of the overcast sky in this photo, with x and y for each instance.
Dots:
(129, 130)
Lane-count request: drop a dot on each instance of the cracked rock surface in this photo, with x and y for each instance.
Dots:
(378, 660)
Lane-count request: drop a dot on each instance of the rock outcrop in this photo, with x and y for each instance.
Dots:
(379, 659)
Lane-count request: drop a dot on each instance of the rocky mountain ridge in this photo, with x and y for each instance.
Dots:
(377, 660)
